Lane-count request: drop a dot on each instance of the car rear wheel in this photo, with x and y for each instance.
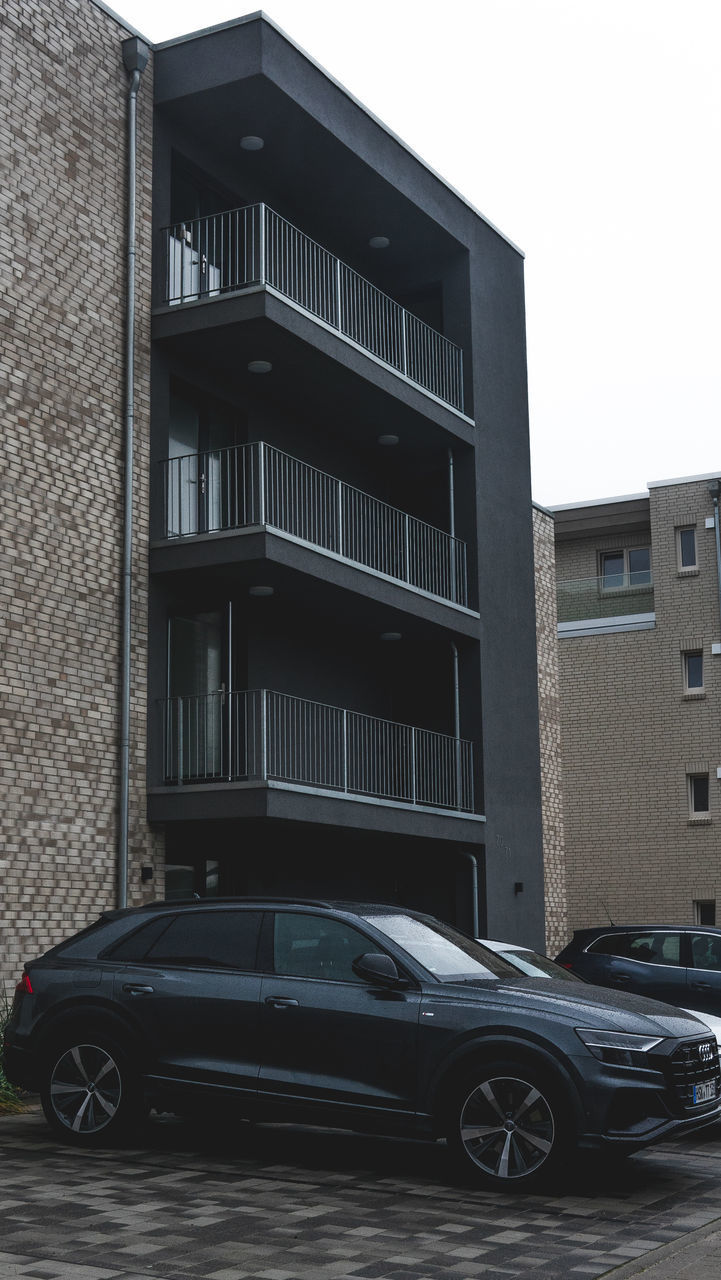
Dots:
(90, 1093)
(508, 1126)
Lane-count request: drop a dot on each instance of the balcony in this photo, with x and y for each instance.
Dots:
(260, 736)
(252, 248)
(257, 485)
(601, 605)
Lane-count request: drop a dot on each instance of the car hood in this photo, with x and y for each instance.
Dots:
(585, 1005)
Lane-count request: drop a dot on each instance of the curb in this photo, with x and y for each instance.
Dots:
(657, 1264)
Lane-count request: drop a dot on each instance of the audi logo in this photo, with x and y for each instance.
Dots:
(706, 1052)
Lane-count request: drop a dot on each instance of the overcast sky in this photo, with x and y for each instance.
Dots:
(589, 131)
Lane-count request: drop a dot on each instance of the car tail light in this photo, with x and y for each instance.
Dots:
(24, 987)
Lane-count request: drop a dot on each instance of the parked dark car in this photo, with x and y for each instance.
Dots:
(361, 1016)
(680, 964)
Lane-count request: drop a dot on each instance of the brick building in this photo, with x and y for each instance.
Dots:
(331, 495)
(640, 693)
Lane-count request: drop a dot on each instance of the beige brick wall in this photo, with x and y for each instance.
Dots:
(62, 259)
(554, 865)
(630, 735)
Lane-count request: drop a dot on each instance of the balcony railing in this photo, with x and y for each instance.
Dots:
(256, 484)
(261, 736)
(253, 246)
(622, 596)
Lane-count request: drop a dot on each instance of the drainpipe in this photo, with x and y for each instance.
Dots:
(457, 735)
(714, 490)
(451, 495)
(135, 58)
(456, 720)
(474, 887)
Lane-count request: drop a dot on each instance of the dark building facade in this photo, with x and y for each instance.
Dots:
(333, 490)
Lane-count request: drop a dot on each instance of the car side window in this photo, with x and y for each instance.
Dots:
(309, 946)
(706, 951)
(136, 945)
(655, 947)
(611, 944)
(212, 939)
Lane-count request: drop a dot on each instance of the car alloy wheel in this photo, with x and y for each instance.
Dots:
(505, 1126)
(88, 1093)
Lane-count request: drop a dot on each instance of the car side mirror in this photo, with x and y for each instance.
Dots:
(375, 967)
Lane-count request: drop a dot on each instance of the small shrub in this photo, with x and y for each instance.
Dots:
(10, 1097)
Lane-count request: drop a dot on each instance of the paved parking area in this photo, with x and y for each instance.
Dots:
(282, 1203)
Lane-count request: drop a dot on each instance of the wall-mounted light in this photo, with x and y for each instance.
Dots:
(251, 142)
(391, 635)
(518, 887)
(261, 590)
(146, 874)
(388, 440)
(379, 242)
(259, 366)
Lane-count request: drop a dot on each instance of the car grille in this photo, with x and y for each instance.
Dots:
(694, 1064)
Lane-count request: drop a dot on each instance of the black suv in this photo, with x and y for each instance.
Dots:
(680, 964)
(355, 1015)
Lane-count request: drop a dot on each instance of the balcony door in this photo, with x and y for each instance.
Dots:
(198, 688)
(200, 485)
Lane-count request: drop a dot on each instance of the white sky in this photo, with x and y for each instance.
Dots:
(589, 131)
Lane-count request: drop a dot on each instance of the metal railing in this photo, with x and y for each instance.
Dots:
(258, 484)
(616, 597)
(207, 257)
(261, 735)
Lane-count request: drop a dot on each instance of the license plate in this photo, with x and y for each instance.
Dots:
(705, 1092)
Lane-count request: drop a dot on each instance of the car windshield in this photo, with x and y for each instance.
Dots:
(538, 966)
(449, 955)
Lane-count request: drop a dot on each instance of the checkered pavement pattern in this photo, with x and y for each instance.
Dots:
(283, 1203)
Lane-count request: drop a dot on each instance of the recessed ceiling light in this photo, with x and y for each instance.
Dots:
(252, 143)
(379, 242)
(259, 366)
(391, 635)
(388, 439)
(261, 591)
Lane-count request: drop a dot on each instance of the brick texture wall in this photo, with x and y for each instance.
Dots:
(630, 736)
(554, 865)
(62, 259)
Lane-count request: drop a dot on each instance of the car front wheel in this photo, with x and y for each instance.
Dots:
(508, 1126)
(89, 1092)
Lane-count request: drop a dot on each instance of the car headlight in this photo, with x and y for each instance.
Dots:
(618, 1048)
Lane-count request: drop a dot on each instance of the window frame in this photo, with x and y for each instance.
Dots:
(692, 690)
(680, 531)
(627, 584)
(698, 815)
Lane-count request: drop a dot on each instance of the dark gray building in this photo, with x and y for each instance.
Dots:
(327, 681)
(342, 644)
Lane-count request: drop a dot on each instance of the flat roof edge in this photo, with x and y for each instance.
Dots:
(660, 484)
(122, 22)
(260, 15)
(598, 502)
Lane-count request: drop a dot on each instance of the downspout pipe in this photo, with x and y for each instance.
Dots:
(457, 735)
(135, 59)
(715, 491)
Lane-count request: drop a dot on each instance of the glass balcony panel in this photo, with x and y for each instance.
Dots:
(607, 596)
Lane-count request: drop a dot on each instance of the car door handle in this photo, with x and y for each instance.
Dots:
(134, 989)
(281, 1002)
(701, 986)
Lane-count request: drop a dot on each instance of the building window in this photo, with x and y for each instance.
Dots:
(692, 670)
(698, 795)
(628, 568)
(686, 548)
(704, 911)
